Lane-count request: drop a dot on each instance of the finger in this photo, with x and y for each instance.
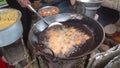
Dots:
(22, 3)
(96, 17)
(25, 4)
(29, 2)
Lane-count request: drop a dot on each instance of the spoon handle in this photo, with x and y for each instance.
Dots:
(32, 9)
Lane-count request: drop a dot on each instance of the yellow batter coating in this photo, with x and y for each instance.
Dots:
(8, 18)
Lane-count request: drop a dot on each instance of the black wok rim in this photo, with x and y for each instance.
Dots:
(72, 58)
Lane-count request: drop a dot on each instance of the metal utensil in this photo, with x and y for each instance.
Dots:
(31, 8)
(15, 31)
(45, 21)
(89, 7)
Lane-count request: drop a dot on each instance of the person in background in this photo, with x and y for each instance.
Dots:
(26, 18)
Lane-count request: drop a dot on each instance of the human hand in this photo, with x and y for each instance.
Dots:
(96, 17)
(24, 3)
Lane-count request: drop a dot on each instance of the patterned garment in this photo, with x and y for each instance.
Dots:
(2, 2)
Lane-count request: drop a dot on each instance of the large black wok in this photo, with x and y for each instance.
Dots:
(88, 25)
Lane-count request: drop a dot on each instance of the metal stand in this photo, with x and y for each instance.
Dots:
(16, 54)
(48, 62)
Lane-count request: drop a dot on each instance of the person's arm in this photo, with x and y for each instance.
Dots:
(24, 3)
